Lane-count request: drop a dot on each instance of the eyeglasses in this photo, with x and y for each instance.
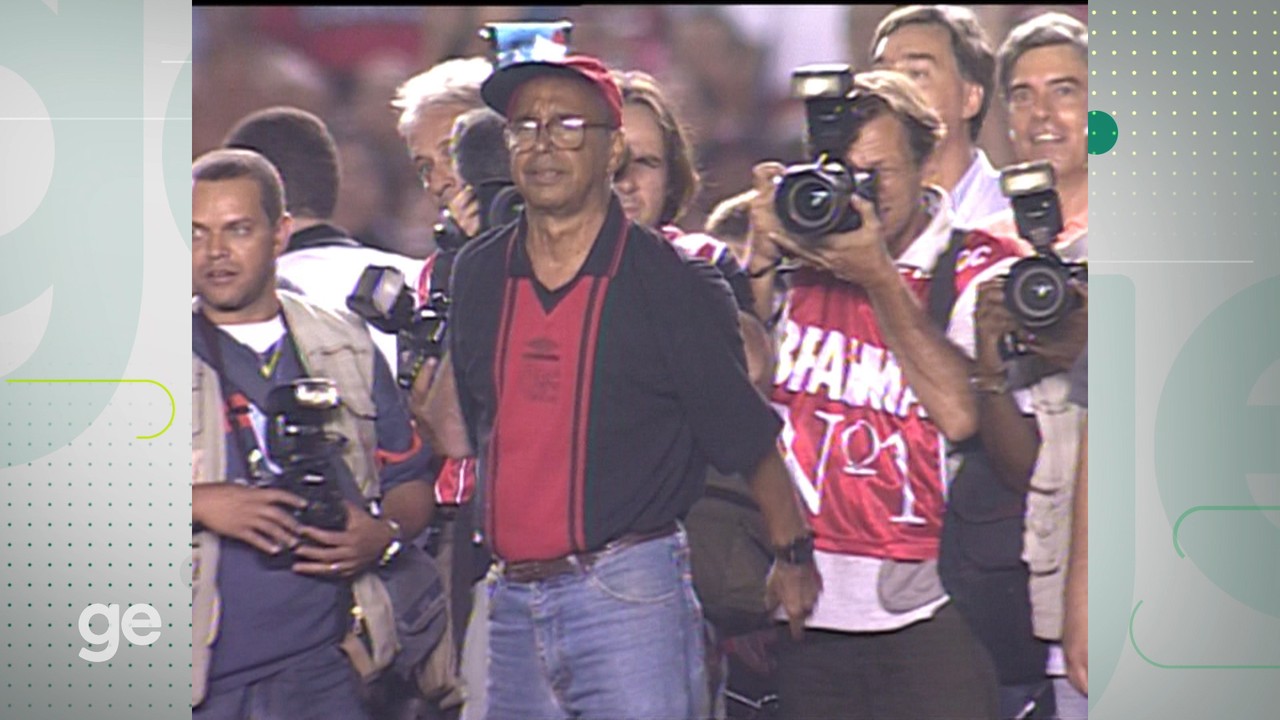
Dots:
(566, 132)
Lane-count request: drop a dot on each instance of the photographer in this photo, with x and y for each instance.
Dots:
(273, 593)
(1026, 423)
(871, 393)
(430, 104)
(1043, 69)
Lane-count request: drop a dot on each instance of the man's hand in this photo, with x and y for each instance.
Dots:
(344, 553)
(1075, 646)
(992, 321)
(858, 257)
(764, 225)
(795, 588)
(464, 206)
(256, 516)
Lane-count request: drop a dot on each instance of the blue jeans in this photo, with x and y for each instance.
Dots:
(621, 639)
(317, 685)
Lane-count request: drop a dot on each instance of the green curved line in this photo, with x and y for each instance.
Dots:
(173, 406)
(1198, 508)
(1134, 642)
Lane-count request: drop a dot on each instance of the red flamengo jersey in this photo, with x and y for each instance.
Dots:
(860, 447)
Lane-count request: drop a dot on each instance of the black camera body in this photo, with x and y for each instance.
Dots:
(1037, 290)
(306, 453)
(812, 199)
(385, 301)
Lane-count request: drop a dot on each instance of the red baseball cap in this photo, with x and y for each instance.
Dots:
(501, 86)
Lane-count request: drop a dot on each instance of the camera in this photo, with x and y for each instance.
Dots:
(812, 199)
(385, 301)
(1037, 290)
(306, 453)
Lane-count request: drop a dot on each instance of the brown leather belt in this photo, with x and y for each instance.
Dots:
(527, 571)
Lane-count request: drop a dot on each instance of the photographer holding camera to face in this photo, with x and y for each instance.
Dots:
(307, 474)
(1030, 320)
(871, 393)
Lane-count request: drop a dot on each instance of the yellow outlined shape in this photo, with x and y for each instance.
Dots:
(173, 406)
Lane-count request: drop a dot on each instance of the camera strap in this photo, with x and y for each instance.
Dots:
(212, 346)
(942, 285)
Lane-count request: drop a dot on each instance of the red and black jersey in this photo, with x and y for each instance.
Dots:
(868, 461)
(595, 408)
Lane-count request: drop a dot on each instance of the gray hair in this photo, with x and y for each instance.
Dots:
(1040, 31)
(453, 82)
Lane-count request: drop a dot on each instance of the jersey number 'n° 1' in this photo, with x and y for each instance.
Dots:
(868, 461)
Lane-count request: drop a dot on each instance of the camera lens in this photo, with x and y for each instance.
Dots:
(1037, 292)
(813, 202)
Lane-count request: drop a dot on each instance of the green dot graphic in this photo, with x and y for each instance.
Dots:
(1103, 132)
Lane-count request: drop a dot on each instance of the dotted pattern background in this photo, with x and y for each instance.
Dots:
(105, 519)
(1184, 211)
(88, 512)
(1196, 94)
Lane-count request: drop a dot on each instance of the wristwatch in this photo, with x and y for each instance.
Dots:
(397, 540)
(799, 552)
(393, 547)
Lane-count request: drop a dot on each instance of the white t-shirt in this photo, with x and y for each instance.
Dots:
(328, 274)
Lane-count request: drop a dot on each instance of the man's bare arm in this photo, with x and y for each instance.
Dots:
(435, 405)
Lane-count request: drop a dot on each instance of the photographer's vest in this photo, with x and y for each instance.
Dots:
(1047, 535)
(332, 346)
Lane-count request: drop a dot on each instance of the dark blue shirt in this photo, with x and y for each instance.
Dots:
(270, 615)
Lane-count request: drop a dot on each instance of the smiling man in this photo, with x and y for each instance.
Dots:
(595, 400)
(1044, 76)
(1043, 71)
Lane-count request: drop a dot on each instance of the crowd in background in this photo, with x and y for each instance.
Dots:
(726, 68)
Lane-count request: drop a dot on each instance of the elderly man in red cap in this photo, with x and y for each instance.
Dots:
(595, 398)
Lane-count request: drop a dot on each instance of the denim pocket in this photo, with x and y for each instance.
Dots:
(644, 574)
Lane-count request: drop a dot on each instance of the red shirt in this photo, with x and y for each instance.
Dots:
(867, 459)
